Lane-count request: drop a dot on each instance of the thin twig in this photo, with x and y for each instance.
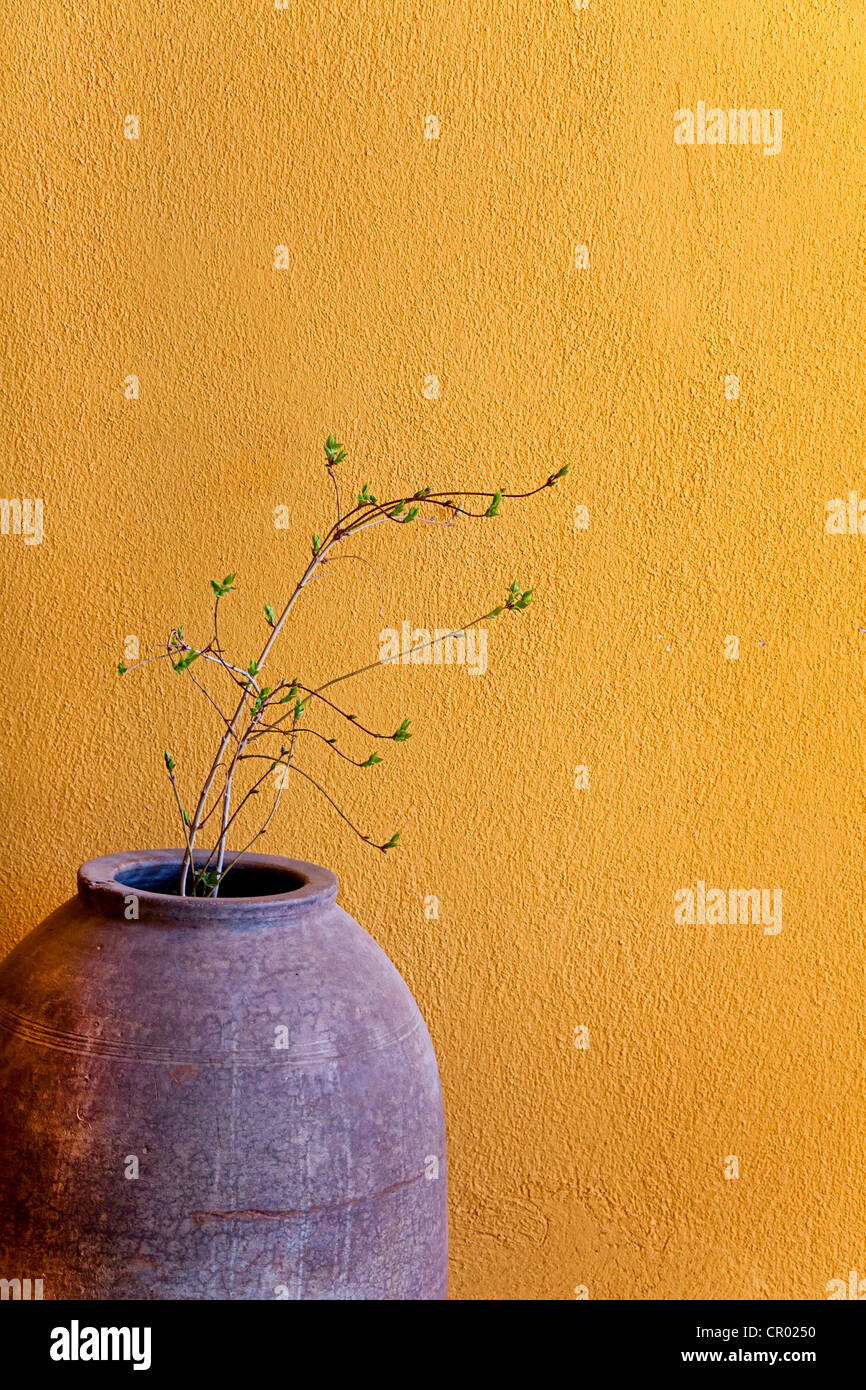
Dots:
(315, 732)
(361, 836)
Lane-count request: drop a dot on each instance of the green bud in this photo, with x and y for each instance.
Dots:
(169, 761)
(121, 669)
(393, 840)
(371, 761)
(183, 662)
(493, 509)
(269, 614)
(334, 451)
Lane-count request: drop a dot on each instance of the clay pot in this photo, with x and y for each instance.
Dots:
(216, 1099)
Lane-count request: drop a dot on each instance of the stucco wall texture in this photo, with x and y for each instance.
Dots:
(449, 249)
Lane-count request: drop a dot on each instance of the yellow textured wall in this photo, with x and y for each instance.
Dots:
(455, 257)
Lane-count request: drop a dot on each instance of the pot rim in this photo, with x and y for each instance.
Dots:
(101, 882)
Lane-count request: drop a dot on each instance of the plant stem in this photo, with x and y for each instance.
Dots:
(359, 518)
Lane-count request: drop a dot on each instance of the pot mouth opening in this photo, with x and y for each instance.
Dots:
(243, 881)
(257, 886)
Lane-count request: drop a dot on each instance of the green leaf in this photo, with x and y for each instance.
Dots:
(186, 819)
(392, 842)
(518, 600)
(169, 761)
(365, 496)
(299, 708)
(496, 612)
(493, 509)
(561, 474)
(425, 492)
(253, 668)
(411, 514)
(396, 511)
(371, 761)
(269, 614)
(334, 451)
(317, 543)
(121, 669)
(184, 661)
(402, 733)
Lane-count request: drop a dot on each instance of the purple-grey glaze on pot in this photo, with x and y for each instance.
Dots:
(257, 1061)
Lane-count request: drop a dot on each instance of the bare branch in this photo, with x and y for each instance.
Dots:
(342, 814)
(248, 724)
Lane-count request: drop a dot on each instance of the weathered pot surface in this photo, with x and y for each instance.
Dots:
(229, 1098)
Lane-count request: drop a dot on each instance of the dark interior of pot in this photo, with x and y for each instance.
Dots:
(242, 882)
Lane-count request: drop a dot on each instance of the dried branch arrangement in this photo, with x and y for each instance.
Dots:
(271, 716)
